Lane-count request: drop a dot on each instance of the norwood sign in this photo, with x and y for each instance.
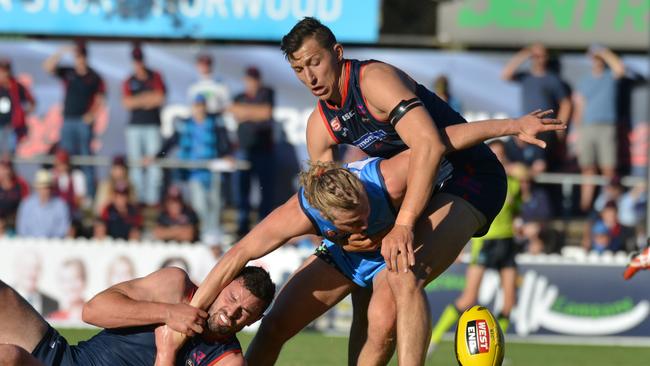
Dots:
(559, 23)
(193, 19)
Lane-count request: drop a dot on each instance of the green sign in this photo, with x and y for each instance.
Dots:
(574, 23)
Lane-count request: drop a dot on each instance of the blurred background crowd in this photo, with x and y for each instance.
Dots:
(137, 199)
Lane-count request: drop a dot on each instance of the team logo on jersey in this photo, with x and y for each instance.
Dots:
(336, 124)
(477, 336)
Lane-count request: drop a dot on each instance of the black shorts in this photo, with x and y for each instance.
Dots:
(53, 350)
(497, 254)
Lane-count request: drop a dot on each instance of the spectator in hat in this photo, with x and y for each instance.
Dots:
(16, 103)
(211, 87)
(13, 189)
(199, 137)
(143, 95)
(42, 214)
(253, 111)
(595, 120)
(177, 221)
(119, 219)
(84, 92)
(118, 175)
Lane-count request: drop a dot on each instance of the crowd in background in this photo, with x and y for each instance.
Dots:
(138, 199)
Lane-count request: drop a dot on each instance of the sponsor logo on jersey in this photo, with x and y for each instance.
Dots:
(336, 124)
(347, 116)
(370, 138)
(477, 336)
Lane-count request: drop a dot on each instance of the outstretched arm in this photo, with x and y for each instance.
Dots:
(464, 135)
(284, 223)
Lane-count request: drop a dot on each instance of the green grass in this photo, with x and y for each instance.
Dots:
(310, 348)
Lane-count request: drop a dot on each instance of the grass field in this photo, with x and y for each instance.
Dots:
(310, 348)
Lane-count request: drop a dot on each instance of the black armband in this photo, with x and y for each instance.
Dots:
(401, 109)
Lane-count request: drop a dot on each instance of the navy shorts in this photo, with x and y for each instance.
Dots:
(484, 188)
(359, 267)
(53, 350)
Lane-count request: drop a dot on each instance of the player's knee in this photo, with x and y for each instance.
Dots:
(404, 284)
(11, 355)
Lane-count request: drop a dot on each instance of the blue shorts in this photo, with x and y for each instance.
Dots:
(361, 268)
(54, 350)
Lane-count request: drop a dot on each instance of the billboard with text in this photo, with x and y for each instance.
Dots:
(571, 23)
(266, 20)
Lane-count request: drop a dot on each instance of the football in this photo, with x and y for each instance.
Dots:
(479, 339)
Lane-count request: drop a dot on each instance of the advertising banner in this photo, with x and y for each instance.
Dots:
(572, 298)
(266, 20)
(572, 23)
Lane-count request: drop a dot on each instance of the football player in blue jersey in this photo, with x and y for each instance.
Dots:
(367, 206)
(135, 315)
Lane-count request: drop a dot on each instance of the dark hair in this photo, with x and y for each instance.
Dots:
(258, 281)
(306, 28)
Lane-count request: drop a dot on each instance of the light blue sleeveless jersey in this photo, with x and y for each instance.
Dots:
(358, 267)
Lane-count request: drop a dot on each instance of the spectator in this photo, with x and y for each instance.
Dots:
(541, 89)
(607, 234)
(16, 102)
(84, 98)
(535, 211)
(12, 191)
(144, 95)
(595, 119)
(119, 219)
(118, 175)
(42, 214)
(253, 111)
(441, 88)
(70, 186)
(532, 156)
(177, 221)
(199, 137)
(215, 91)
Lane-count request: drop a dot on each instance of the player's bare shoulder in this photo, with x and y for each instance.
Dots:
(375, 74)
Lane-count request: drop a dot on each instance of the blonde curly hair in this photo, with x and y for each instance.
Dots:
(328, 185)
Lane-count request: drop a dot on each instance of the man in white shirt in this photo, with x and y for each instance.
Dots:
(215, 91)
